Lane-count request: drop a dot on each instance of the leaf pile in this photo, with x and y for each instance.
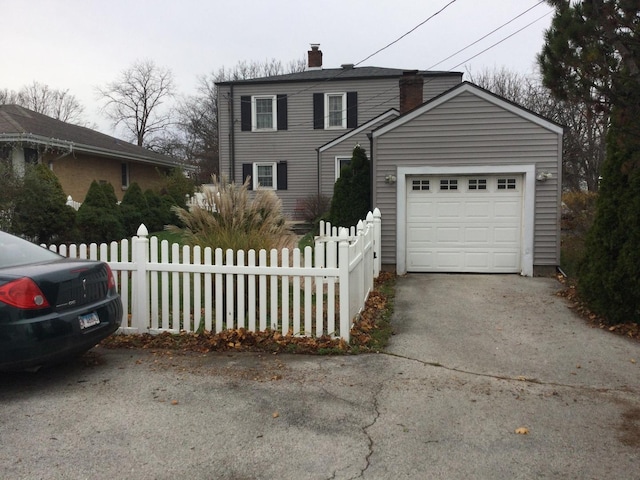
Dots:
(570, 292)
(369, 333)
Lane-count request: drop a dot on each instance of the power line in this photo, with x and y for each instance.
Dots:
(407, 33)
(487, 35)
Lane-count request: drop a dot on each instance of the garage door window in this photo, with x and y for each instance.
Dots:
(448, 184)
(420, 185)
(477, 184)
(506, 184)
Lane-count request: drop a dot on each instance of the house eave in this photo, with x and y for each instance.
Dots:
(82, 148)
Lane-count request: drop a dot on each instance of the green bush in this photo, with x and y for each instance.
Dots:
(609, 277)
(134, 210)
(40, 210)
(352, 192)
(232, 219)
(99, 218)
(159, 211)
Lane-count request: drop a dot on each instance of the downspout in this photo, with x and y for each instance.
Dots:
(232, 139)
(372, 171)
(318, 169)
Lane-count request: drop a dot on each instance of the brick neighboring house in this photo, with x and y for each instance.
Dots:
(77, 155)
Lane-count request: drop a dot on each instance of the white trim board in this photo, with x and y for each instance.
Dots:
(528, 218)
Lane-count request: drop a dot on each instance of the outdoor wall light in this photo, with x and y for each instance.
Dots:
(543, 176)
(390, 179)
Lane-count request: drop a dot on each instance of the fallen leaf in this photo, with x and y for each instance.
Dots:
(275, 415)
(174, 402)
(633, 360)
(522, 431)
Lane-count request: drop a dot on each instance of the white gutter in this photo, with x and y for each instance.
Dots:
(53, 142)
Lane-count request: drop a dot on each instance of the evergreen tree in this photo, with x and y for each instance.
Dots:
(352, 191)
(40, 210)
(134, 209)
(160, 213)
(592, 53)
(99, 219)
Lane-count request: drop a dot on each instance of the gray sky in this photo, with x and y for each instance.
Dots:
(80, 44)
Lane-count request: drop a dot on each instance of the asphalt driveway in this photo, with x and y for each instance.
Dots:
(474, 358)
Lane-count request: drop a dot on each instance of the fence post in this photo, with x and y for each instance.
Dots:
(343, 267)
(140, 288)
(377, 242)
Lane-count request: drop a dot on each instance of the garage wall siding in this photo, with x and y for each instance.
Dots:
(469, 131)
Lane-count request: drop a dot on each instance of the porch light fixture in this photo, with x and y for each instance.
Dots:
(543, 176)
(390, 179)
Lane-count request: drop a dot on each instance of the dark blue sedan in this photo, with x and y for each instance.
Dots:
(51, 307)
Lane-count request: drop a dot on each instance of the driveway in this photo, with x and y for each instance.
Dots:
(474, 358)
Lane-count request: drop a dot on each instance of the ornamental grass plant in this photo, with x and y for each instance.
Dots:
(230, 217)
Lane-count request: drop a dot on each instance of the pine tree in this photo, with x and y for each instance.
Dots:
(352, 191)
(134, 209)
(592, 53)
(99, 218)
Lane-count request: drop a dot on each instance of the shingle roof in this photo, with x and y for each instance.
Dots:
(21, 124)
(345, 73)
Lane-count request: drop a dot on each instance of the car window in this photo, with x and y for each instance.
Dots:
(15, 251)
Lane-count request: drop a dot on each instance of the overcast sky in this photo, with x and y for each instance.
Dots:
(81, 44)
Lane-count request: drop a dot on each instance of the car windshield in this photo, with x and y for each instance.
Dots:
(15, 252)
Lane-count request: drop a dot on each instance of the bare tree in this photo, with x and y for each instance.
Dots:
(198, 115)
(586, 127)
(41, 98)
(136, 101)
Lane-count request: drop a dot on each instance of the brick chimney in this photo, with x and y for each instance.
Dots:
(411, 85)
(315, 57)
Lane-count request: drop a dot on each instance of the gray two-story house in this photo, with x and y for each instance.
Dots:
(466, 181)
(281, 130)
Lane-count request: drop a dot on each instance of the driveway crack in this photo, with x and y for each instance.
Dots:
(365, 430)
(509, 378)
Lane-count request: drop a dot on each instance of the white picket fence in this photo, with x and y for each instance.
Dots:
(171, 288)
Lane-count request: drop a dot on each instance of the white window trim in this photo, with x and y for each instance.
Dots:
(528, 220)
(274, 113)
(344, 111)
(337, 164)
(274, 169)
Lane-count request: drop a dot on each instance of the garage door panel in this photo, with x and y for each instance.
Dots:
(464, 230)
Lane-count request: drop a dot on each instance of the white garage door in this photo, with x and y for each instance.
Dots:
(464, 223)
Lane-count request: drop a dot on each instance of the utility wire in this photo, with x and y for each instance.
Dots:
(407, 33)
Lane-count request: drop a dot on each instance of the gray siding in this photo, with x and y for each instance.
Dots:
(299, 143)
(469, 130)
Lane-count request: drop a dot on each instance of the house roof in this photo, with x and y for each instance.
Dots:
(19, 124)
(365, 127)
(478, 91)
(347, 72)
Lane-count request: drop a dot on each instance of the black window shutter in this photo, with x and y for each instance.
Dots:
(282, 176)
(352, 109)
(318, 111)
(247, 171)
(245, 113)
(282, 112)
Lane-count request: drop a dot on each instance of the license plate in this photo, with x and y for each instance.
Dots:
(89, 320)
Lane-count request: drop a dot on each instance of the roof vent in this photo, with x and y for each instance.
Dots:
(347, 66)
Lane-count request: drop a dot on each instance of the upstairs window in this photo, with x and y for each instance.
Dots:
(335, 110)
(263, 113)
(336, 116)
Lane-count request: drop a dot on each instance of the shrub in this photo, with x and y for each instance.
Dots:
(159, 211)
(99, 218)
(134, 210)
(314, 207)
(40, 206)
(232, 219)
(352, 192)
(609, 277)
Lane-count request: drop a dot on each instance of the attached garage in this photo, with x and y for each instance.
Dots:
(464, 223)
(469, 182)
